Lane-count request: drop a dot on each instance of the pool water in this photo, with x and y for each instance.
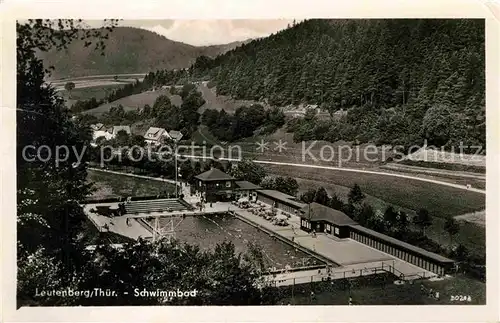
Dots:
(208, 231)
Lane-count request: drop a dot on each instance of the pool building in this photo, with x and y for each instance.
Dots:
(318, 218)
(215, 185)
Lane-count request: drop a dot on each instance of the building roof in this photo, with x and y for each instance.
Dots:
(246, 185)
(97, 126)
(400, 243)
(214, 174)
(155, 133)
(281, 197)
(175, 135)
(117, 129)
(102, 133)
(319, 212)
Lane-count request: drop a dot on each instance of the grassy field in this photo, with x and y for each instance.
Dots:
(343, 191)
(113, 185)
(202, 135)
(440, 201)
(379, 290)
(86, 93)
(136, 101)
(221, 102)
(471, 235)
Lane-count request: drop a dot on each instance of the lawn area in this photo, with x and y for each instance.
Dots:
(113, 185)
(380, 290)
(343, 191)
(471, 235)
(221, 102)
(86, 93)
(204, 136)
(133, 102)
(440, 201)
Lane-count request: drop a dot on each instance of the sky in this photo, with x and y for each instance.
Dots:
(206, 32)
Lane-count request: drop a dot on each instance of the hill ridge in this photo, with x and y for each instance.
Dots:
(128, 50)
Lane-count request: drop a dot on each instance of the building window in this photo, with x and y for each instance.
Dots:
(337, 231)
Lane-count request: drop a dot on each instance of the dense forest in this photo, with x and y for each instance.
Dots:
(401, 80)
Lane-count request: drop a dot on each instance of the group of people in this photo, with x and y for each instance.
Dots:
(431, 293)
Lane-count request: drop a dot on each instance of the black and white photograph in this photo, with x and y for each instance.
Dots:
(238, 162)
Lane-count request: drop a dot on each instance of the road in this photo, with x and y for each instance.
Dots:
(92, 83)
(95, 76)
(433, 181)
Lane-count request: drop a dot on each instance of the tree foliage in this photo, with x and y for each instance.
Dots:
(386, 74)
(287, 185)
(355, 196)
(249, 171)
(423, 219)
(51, 253)
(452, 227)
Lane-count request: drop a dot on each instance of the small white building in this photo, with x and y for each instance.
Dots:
(155, 136)
(96, 127)
(98, 131)
(108, 133)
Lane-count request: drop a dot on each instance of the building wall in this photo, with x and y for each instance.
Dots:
(250, 194)
(215, 190)
(401, 253)
(305, 225)
(343, 232)
(328, 228)
(277, 204)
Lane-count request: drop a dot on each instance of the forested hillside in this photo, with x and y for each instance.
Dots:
(401, 81)
(128, 50)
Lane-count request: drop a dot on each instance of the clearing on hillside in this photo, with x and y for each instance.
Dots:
(220, 102)
(136, 101)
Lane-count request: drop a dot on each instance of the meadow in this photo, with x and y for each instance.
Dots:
(87, 93)
(136, 101)
(439, 200)
(113, 185)
(380, 290)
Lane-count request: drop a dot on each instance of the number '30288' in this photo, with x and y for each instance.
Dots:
(460, 298)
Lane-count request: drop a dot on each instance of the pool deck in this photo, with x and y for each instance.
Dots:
(352, 257)
(117, 224)
(349, 254)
